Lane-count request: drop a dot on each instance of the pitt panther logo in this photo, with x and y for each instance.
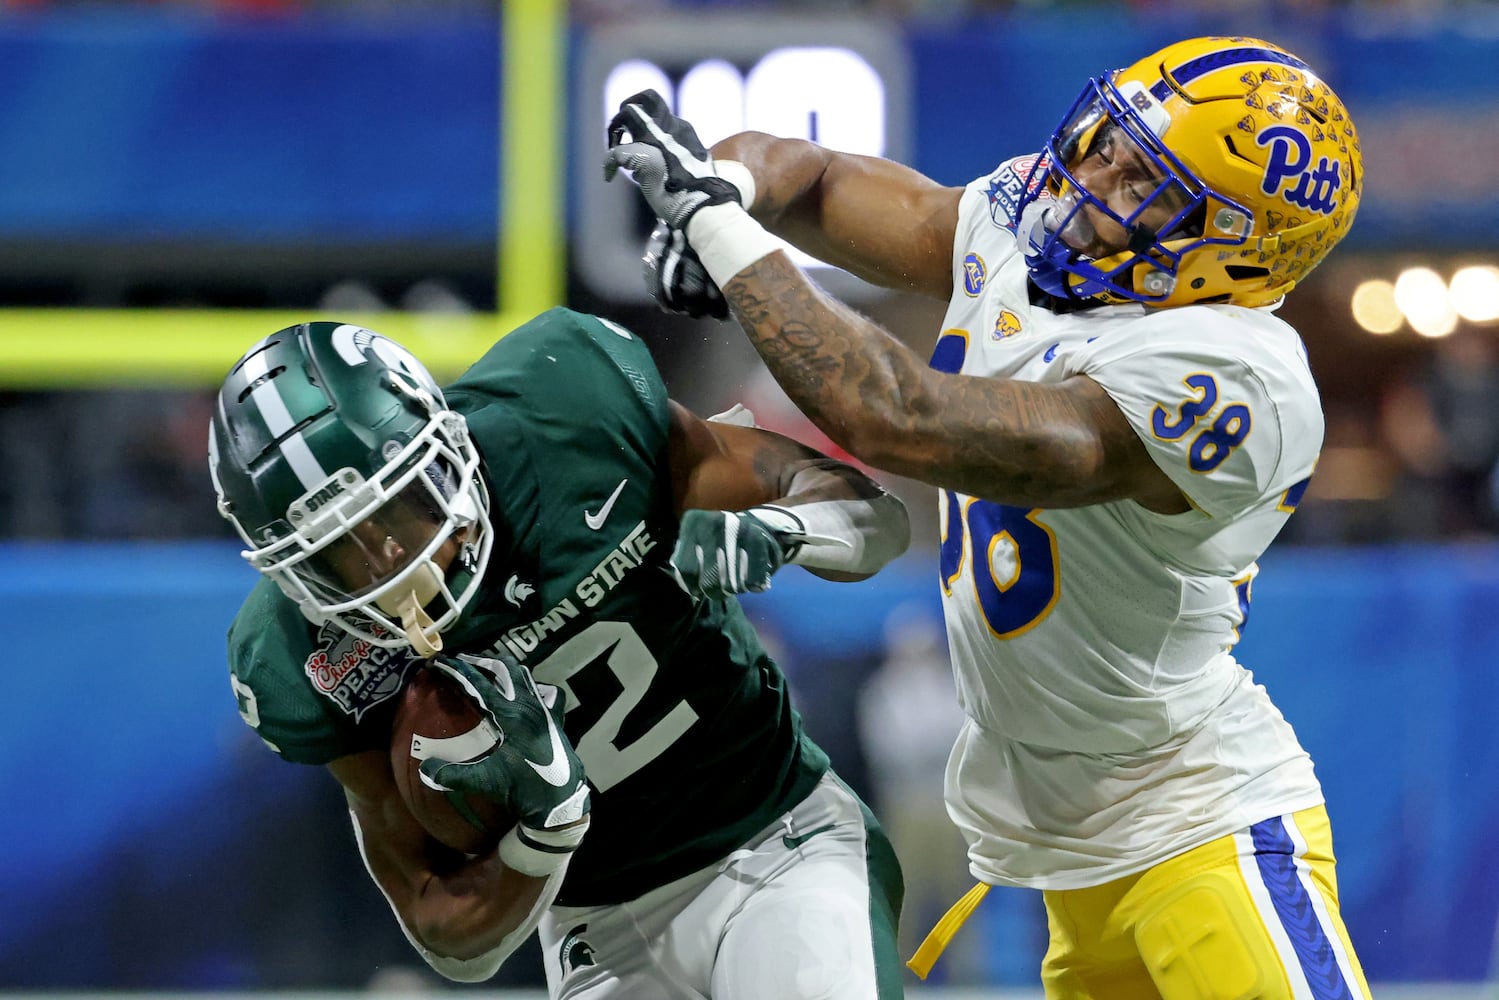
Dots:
(1291, 173)
(974, 274)
(1007, 325)
(575, 952)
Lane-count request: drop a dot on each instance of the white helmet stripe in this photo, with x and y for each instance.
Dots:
(272, 409)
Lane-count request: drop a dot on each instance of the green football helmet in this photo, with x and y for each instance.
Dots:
(357, 490)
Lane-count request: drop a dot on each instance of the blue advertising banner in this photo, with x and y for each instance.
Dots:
(123, 124)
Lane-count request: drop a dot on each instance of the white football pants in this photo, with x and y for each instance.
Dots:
(805, 910)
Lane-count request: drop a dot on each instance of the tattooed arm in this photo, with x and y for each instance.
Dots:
(1018, 442)
(883, 221)
(1063, 445)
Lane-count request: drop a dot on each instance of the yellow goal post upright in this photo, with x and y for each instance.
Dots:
(56, 348)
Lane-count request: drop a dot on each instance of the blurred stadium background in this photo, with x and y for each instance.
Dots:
(178, 179)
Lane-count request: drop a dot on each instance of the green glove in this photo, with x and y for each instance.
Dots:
(722, 552)
(533, 771)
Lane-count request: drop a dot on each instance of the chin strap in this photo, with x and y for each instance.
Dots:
(417, 625)
(409, 606)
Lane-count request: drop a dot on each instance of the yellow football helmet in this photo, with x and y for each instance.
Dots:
(1242, 170)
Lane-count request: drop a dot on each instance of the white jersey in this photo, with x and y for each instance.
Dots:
(1110, 726)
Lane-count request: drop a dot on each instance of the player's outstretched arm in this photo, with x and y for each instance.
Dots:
(1030, 444)
(464, 915)
(882, 221)
(1062, 445)
(751, 500)
(876, 218)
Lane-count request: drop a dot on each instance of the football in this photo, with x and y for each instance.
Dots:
(436, 717)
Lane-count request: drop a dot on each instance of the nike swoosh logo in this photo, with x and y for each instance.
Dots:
(596, 520)
(792, 843)
(555, 773)
(1051, 353)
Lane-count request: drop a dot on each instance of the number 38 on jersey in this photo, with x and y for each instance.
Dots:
(1011, 552)
(1215, 431)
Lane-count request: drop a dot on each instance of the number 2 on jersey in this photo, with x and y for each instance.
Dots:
(1013, 557)
(633, 667)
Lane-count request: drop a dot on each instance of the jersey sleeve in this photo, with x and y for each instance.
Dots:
(1230, 420)
(271, 648)
(985, 234)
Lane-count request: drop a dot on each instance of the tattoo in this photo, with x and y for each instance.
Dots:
(1017, 442)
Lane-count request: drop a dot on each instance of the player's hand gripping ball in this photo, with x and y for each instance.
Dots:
(437, 717)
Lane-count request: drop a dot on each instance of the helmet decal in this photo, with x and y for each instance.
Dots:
(1213, 61)
(356, 346)
(1291, 174)
(352, 343)
(1152, 112)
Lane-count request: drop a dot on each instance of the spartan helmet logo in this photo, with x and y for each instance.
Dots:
(517, 591)
(576, 953)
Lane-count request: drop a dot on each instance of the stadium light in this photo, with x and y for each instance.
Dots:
(1421, 294)
(1474, 292)
(1374, 307)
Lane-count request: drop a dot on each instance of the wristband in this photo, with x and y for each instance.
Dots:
(738, 175)
(727, 240)
(540, 852)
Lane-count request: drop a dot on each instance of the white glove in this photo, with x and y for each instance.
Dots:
(666, 159)
(676, 277)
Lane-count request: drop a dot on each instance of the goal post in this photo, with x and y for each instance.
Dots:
(65, 348)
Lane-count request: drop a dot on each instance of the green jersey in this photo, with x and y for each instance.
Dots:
(682, 721)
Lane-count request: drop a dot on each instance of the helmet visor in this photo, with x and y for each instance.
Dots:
(385, 544)
(352, 548)
(360, 552)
